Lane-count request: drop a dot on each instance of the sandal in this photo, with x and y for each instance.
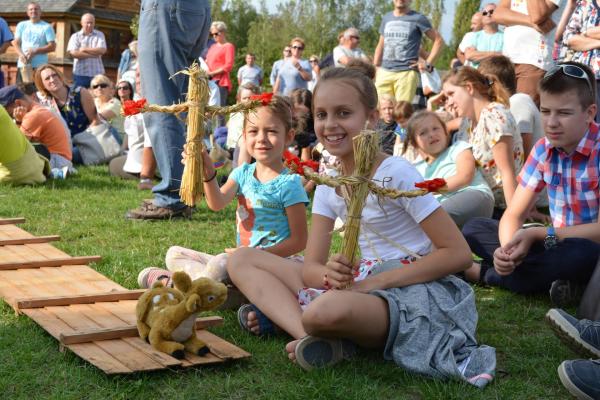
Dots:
(315, 352)
(266, 327)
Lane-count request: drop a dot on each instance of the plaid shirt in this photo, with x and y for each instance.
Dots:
(572, 179)
(87, 66)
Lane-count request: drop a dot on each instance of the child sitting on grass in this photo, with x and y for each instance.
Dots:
(403, 288)
(271, 213)
(567, 162)
(468, 195)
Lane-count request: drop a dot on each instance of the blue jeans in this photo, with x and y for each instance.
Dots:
(81, 80)
(572, 259)
(172, 34)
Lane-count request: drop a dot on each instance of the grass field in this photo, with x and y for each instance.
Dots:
(87, 211)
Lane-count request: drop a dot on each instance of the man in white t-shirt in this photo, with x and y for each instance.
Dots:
(348, 48)
(476, 25)
(529, 38)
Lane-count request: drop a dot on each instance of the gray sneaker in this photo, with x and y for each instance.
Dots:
(581, 378)
(581, 335)
(565, 293)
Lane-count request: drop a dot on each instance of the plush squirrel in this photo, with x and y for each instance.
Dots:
(166, 316)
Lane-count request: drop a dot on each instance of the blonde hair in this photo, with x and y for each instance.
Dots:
(101, 79)
(488, 86)
(219, 25)
(281, 108)
(297, 39)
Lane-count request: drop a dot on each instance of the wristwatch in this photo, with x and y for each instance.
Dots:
(550, 240)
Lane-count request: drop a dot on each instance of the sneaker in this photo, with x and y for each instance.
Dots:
(582, 335)
(315, 352)
(581, 378)
(152, 212)
(565, 293)
(145, 184)
(149, 276)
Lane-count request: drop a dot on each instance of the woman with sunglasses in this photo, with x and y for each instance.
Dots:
(316, 70)
(130, 166)
(107, 105)
(294, 72)
(220, 59)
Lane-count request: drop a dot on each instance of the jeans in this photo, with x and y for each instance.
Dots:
(81, 80)
(172, 34)
(572, 259)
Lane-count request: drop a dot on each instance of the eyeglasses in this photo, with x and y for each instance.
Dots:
(355, 37)
(100, 85)
(312, 61)
(123, 88)
(213, 34)
(287, 50)
(570, 70)
(485, 13)
(298, 47)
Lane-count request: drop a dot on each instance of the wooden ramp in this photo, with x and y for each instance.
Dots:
(85, 311)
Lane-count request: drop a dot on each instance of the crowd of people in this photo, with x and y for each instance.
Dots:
(512, 128)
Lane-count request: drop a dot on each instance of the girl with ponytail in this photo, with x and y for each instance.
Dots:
(489, 127)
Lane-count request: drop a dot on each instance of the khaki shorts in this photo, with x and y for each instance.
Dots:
(402, 85)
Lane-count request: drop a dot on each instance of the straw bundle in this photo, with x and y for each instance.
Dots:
(366, 147)
(193, 173)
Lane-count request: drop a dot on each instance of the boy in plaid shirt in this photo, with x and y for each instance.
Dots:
(567, 162)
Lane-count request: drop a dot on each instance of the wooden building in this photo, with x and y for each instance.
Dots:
(113, 18)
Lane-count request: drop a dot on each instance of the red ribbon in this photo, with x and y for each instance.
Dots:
(132, 107)
(432, 185)
(265, 98)
(296, 165)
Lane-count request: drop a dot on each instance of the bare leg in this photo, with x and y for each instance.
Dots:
(271, 283)
(360, 317)
(148, 164)
(473, 273)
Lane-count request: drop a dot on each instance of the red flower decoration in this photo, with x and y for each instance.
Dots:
(296, 165)
(265, 98)
(132, 107)
(433, 185)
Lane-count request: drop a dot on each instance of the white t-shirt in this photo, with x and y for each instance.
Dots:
(525, 45)
(527, 116)
(341, 51)
(395, 221)
(466, 42)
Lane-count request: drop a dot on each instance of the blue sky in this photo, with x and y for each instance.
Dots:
(445, 29)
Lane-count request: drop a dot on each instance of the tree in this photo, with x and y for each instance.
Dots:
(462, 17)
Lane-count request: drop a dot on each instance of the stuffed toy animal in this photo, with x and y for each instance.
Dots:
(166, 317)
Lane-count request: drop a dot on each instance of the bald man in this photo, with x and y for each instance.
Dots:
(87, 47)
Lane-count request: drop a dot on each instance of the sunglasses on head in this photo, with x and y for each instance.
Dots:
(487, 12)
(298, 47)
(571, 70)
(100, 85)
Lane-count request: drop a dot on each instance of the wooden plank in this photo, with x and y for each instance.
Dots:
(80, 299)
(94, 335)
(220, 347)
(96, 356)
(11, 221)
(158, 356)
(191, 359)
(49, 263)
(48, 321)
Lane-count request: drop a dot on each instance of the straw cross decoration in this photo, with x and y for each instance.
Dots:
(366, 147)
(198, 111)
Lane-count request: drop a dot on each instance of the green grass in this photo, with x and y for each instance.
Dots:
(87, 211)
